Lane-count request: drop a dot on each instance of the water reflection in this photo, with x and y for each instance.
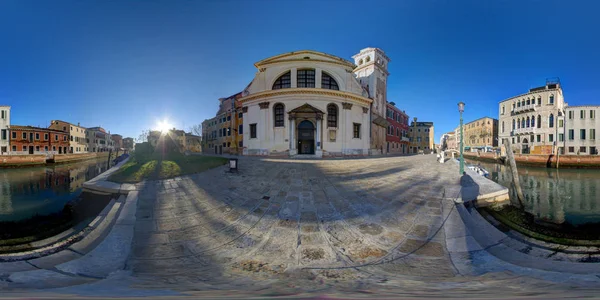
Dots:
(556, 196)
(25, 192)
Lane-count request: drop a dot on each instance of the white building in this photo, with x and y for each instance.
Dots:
(533, 120)
(312, 103)
(4, 126)
(579, 135)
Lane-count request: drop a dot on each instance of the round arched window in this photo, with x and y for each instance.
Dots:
(360, 62)
(368, 59)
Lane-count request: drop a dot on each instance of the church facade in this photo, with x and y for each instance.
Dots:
(313, 103)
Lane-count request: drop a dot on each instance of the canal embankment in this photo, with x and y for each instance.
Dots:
(28, 160)
(537, 160)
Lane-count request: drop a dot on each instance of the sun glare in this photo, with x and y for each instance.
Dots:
(163, 125)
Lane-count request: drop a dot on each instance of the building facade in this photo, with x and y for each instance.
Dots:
(579, 134)
(421, 137)
(312, 103)
(4, 129)
(128, 143)
(98, 140)
(117, 141)
(480, 134)
(209, 136)
(530, 119)
(35, 140)
(77, 138)
(450, 140)
(397, 134)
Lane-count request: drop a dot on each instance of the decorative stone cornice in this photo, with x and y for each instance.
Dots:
(347, 105)
(292, 116)
(365, 110)
(307, 91)
(264, 105)
(245, 109)
(319, 116)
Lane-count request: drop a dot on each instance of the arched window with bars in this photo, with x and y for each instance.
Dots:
(327, 82)
(283, 82)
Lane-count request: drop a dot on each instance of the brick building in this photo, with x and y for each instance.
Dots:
(397, 134)
(77, 139)
(35, 140)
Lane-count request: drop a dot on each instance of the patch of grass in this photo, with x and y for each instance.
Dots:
(156, 166)
(565, 234)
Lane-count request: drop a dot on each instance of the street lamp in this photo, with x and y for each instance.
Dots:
(461, 109)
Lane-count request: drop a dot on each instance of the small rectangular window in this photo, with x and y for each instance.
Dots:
(592, 134)
(37, 148)
(539, 138)
(356, 131)
(571, 149)
(582, 134)
(582, 149)
(14, 148)
(560, 123)
(241, 144)
(24, 135)
(45, 148)
(56, 137)
(14, 136)
(571, 134)
(551, 138)
(582, 114)
(3, 114)
(4, 136)
(592, 114)
(570, 115)
(24, 148)
(241, 129)
(240, 115)
(252, 131)
(561, 137)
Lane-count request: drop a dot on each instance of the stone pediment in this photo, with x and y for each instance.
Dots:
(305, 108)
(304, 55)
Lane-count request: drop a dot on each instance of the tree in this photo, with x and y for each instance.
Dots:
(196, 129)
(143, 137)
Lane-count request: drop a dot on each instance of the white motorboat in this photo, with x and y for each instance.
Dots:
(476, 168)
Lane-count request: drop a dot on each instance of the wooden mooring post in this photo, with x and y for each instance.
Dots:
(513, 169)
(108, 162)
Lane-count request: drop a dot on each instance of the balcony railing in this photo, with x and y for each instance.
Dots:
(526, 130)
(525, 108)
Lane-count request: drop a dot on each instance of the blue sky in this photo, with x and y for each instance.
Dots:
(125, 65)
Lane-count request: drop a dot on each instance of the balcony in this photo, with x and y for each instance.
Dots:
(405, 139)
(522, 109)
(526, 130)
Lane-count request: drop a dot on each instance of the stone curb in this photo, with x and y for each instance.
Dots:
(56, 244)
(490, 239)
(101, 185)
(107, 252)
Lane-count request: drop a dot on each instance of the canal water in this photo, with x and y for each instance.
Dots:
(44, 190)
(554, 195)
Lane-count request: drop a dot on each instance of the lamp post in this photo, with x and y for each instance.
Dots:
(461, 109)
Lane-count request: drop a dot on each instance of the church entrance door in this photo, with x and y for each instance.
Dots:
(306, 137)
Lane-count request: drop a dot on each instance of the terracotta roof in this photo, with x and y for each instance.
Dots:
(32, 128)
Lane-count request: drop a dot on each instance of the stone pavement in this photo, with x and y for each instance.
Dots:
(284, 226)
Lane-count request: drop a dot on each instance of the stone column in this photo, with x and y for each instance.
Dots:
(292, 118)
(318, 152)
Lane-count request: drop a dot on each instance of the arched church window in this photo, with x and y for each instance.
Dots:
(278, 110)
(332, 115)
(306, 78)
(283, 82)
(368, 59)
(327, 82)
